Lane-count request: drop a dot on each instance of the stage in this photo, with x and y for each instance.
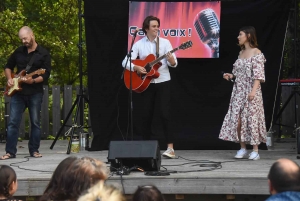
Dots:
(235, 177)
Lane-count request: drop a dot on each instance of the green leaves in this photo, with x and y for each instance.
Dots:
(56, 27)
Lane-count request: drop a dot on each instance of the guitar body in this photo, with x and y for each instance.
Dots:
(17, 79)
(141, 82)
(16, 87)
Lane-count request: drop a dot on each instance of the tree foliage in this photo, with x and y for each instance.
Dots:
(291, 61)
(56, 27)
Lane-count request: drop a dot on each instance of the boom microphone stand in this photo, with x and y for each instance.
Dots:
(80, 97)
(130, 77)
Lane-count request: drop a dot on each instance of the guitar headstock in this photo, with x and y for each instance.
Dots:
(186, 45)
(40, 71)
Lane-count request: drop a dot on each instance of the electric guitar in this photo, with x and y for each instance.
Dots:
(17, 79)
(140, 82)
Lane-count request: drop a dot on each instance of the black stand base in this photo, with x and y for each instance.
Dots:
(78, 104)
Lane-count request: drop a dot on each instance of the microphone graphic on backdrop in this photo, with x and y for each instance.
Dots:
(208, 28)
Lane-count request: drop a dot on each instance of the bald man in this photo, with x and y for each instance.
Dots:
(284, 181)
(31, 58)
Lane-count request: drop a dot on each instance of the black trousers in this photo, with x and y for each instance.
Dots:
(157, 96)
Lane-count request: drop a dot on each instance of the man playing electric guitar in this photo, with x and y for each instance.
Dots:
(32, 57)
(159, 89)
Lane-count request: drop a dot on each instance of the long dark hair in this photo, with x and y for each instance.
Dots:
(146, 22)
(251, 36)
(7, 177)
(73, 176)
(147, 193)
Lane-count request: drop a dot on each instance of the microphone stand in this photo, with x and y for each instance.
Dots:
(130, 77)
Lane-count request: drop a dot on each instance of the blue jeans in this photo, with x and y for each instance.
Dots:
(18, 104)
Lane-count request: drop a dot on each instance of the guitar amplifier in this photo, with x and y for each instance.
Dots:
(143, 154)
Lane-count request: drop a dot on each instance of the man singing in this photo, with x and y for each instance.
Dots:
(158, 94)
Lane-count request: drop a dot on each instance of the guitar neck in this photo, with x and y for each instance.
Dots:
(30, 74)
(162, 57)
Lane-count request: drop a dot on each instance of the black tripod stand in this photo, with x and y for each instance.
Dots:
(79, 102)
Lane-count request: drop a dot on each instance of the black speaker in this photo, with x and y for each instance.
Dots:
(145, 154)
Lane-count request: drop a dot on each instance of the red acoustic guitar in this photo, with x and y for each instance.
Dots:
(17, 79)
(141, 82)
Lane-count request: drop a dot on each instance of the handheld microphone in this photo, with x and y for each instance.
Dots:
(208, 28)
(229, 79)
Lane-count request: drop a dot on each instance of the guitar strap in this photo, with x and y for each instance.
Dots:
(30, 62)
(157, 47)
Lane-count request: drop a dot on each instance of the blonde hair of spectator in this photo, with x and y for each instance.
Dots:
(101, 192)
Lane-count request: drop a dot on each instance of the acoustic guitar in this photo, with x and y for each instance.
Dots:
(140, 82)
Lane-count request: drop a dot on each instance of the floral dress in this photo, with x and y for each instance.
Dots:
(253, 126)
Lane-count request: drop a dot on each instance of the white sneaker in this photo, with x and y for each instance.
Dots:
(169, 153)
(241, 153)
(254, 156)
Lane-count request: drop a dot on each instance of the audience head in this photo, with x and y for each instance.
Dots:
(102, 192)
(73, 176)
(284, 175)
(147, 193)
(8, 181)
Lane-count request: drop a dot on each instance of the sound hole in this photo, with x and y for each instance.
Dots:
(148, 67)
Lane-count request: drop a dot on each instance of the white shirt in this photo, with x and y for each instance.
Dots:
(144, 47)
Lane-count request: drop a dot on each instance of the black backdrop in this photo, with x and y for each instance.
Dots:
(200, 97)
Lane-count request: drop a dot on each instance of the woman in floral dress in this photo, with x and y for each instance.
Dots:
(245, 119)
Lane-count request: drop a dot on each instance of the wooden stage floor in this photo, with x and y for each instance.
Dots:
(237, 177)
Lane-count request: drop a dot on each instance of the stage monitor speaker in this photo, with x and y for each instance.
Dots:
(145, 154)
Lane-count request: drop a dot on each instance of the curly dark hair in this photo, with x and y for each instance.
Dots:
(73, 176)
(7, 177)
